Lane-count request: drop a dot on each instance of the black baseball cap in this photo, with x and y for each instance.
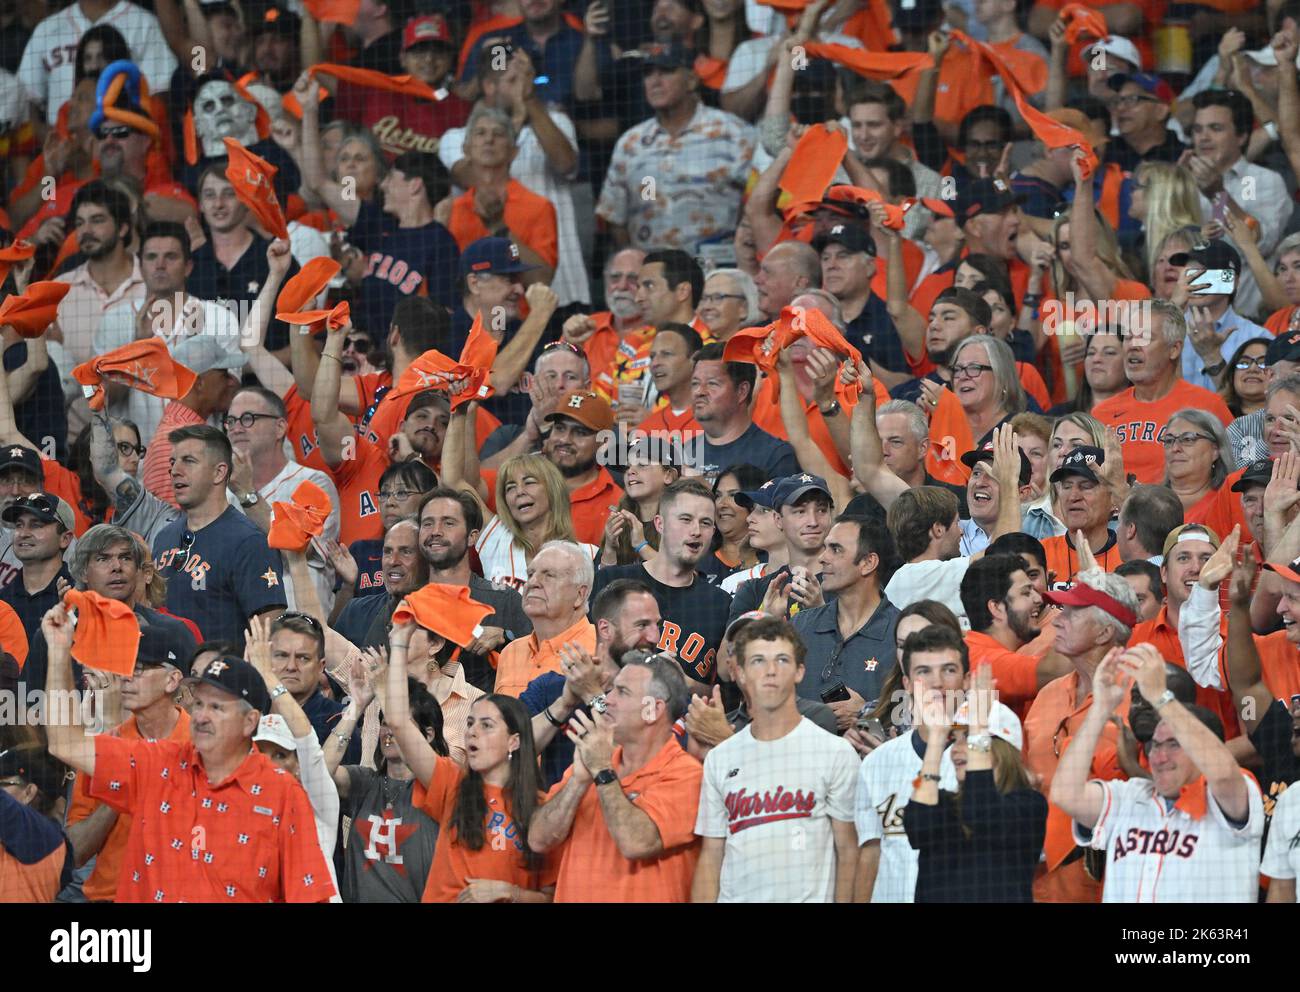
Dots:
(239, 678)
(983, 196)
(916, 15)
(1213, 254)
(854, 237)
(673, 55)
(985, 454)
(21, 456)
(1080, 461)
(45, 507)
(1284, 348)
(160, 646)
(276, 20)
(1258, 473)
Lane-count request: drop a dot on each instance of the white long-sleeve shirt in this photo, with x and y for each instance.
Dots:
(1201, 633)
(323, 796)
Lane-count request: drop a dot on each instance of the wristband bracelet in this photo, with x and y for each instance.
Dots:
(550, 718)
(637, 550)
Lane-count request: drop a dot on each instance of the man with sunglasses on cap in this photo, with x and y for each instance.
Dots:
(96, 829)
(258, 837)
(42, 527)
(297, 651)
(1098, 613)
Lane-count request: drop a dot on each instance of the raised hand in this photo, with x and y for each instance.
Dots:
(1283, 489)
(1109, 685)
(1087, 560)
(1145, 664)
(1243, 577)
(776, 601)
(1220, 564)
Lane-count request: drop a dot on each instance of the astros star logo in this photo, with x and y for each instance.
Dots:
(271, 578)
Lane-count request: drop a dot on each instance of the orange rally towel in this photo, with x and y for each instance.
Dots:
(107, 637)
(334, 11)
(814, 163)
(295, 523)
(30, 313)
(19, 251)
(252, 178)
(467, 379)
(144, 365)
(1083, 21)
(873, 65)
(448, 611)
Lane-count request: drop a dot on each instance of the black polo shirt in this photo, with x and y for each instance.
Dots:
(210, 280)
(874, 334)
(324, 714)
(862, 662)
(30, 607)
(1119, 151)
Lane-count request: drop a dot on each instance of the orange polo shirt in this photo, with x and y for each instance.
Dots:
(101, 886)
(667, 790)
(1164, 636)
(1140, 424)
(1053, 719)
(505, 842)
(525, 658)
(531, 219)
(1063, 560)
(1016, 675)
(590, 505)
(249, 838)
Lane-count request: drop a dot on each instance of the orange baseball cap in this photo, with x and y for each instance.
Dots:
(586, 408)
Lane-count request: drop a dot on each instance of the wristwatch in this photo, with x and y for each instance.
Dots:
(979, 742)
(1213, 370)
(248, 499)
(831, 410)
(1165, 697)
(597, 703)
(606, 776)
(277, 692)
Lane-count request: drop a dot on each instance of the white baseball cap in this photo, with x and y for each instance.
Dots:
(1002, 723)
(274, 729)
(1119, 47)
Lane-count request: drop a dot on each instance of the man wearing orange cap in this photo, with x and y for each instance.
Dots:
(624, 814)
(573, 445)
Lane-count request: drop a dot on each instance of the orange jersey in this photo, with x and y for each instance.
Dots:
(101, 886)
(505, 842)
(592, 869)
(950, 438)
(390, 411)
(1140, 424)
(1063, 560)
(531, 219)
(357, 480)
(1164, 636)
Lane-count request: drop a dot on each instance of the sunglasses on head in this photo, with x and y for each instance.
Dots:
(37, 502)
(307, 618)
(563, 344)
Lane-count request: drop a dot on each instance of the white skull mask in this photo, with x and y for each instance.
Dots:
(220, 112)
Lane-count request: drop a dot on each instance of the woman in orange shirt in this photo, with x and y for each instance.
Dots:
(1198, 466)
(482, 811)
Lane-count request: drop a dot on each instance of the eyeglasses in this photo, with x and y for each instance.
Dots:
(1184, 440)
(1244, 363)
(246, 420)
(833, 664)
(400, 495)
(1062, 727)
(126, 450)
(1132, 100)
(187, 542)
(360, 345)
(307, 618)
(972, 371)
(119, 131)
(719, 297)
(145, 667)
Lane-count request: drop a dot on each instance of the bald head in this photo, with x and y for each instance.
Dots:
(786, 271)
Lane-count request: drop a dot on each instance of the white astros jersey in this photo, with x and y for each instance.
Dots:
(773, 803)
(885, 783)
(1158, 854)
(1282, 855)
(503, 558)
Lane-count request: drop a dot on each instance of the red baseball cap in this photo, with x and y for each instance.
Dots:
(1081, 594)
(430, 27)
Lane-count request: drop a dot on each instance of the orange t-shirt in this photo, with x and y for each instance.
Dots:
(1014, 674)
(1032, 382)
(505, 842)
(667, 789)
(13, 635)
(950, 438)
(357, 480)
(1279, 661)
(1063, 561)
(590, 505)
(1280, 320)
(531, 219)
(63, 483)
(965, 82)
(101, 886)
(1140, 424)
(767, 415)
(1220, 509)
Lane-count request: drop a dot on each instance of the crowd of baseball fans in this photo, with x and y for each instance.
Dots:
(649, 451)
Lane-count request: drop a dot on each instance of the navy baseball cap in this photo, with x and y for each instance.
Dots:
(1150, 84)
(1258, 473)
(1081, 461)
(673, 55)
(985, 454)
(854, 237)
(21, 456)
(793, 487)
(1213, 254)
(764, 496)
(492, 256)
(983, 196)
(160, 646)
(1284, 348)
(239, 678)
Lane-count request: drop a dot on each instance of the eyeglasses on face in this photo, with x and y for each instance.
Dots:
(1129, 100)
(401, 495)
(361, 345)
(719, 297)
(1184, 440)
(126, 449)
(1246, 362)
(246, 420)
(119, 131)
(971, 371)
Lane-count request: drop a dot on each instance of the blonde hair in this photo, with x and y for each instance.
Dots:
(1107, 253)
(1173, 202)
(559, 521)
(1085, 422)
(1034, 424)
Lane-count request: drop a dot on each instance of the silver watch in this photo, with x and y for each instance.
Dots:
(1165, 697)
(597, 703)
(277, 692)
(248, 499)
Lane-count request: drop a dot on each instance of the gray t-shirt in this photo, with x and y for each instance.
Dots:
(390, 850)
